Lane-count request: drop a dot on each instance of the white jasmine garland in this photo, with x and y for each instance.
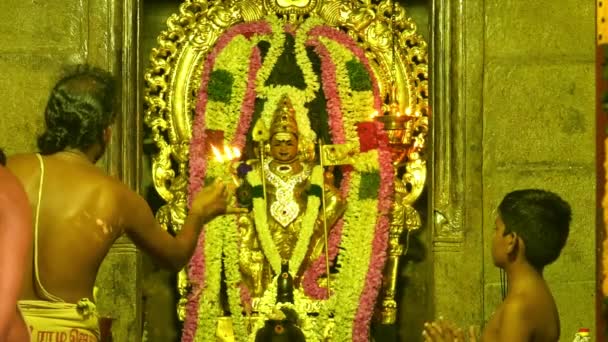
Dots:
(260, 213)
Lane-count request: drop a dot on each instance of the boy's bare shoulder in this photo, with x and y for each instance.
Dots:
(531, 312)
(517, 304)
(510, 322)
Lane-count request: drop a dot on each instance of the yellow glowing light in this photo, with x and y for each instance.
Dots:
(408, 111)
(236, 153)
(228, 153)
(218, 155)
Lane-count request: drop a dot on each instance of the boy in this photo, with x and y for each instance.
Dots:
(531, 229)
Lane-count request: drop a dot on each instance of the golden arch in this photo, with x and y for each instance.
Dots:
(397, 56)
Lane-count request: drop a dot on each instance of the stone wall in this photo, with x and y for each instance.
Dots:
(41, 39)
(529, 105)
(539, 129)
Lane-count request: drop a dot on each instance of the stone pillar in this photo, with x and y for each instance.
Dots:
(456, 183)
(120, 277)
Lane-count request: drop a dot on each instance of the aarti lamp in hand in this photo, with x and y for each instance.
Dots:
(229, 156)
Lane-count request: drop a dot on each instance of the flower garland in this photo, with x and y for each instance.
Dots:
(209, 302)
(221, 115)
(308, 222)
(355, 106)
(198, 167)
(328, 73)
(196, 275)
(373, 280)
(198, 161)
(228, 224)
(248, 106)
(318, 268)
(260, 211)
(356, 291)
(237, 291)
(310, 77)
(336, 125)
(350, 110)
(354, 231)
(358, 218)
(352, 315)
(277, 47)
(233, 278)
(345, 40)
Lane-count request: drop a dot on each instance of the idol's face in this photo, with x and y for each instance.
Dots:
(284, 147)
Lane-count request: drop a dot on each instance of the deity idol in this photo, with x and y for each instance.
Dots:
(286, 224)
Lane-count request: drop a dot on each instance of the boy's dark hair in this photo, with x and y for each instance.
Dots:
(80, 107)
(2, 158)
(542, 220)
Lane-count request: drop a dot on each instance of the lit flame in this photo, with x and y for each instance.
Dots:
(373, 115)
(408, 111)
(218, 155)
(236, 153)
(228, 153)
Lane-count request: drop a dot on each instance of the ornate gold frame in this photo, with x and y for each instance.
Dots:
(398, 57)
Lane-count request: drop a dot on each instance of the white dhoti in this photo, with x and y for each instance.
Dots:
(61, 322)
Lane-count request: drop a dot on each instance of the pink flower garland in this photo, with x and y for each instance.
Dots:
(196, 275)
(197, 147)
(249, 103)
(240, 137)
(198, 162)
(380, 243)
(328, 75)
(347, 41)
